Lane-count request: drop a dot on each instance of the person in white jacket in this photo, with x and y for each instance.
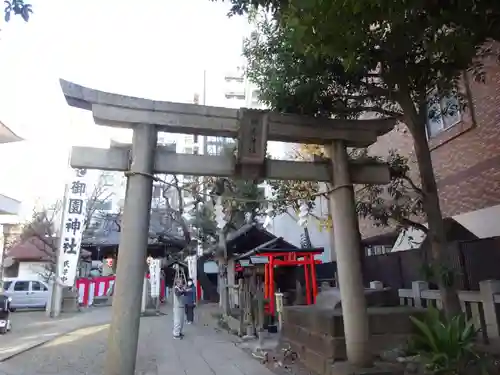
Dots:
(178, 308)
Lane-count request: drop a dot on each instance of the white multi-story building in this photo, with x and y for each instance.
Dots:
(241, 92)
(160, 189)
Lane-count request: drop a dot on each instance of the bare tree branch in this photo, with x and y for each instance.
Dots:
(45, 223)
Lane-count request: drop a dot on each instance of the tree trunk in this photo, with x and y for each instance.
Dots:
(205, 282)
(416, 122)
(224, 289)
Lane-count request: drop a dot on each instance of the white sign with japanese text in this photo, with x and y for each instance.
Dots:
(154, 277)
(73, 221)
(192, 265)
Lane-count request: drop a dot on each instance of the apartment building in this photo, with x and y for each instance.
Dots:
(465, 148)
(160, 193)
(241, 92)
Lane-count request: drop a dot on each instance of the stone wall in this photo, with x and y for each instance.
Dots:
(317, 334)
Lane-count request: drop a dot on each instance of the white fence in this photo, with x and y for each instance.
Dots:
(482, 306)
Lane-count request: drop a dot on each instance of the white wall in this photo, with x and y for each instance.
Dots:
(9, 206)
(210, 267)
(287, 227)
(31, 270)
(483, 223)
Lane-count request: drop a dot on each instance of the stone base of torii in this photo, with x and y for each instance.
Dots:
(253, 128)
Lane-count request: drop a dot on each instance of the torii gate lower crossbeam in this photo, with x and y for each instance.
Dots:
(253, 129)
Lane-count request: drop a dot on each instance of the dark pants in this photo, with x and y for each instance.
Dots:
(189, 309)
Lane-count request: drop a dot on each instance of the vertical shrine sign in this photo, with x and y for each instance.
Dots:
(155, 277)
(192, 265)
(73, 222)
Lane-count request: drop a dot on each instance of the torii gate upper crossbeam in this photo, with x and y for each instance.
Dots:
(124, 111)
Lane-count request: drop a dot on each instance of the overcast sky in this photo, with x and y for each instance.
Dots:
(150, 48)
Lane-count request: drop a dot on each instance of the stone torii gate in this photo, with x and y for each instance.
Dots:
(252, 128)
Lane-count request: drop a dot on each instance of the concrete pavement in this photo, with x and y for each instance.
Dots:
(203, 351)
(33, 328)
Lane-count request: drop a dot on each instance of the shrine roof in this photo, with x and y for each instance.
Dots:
(312, 250)
(258, 260)
(161, 232)
(170, 263)
(251, 236)
(36, 249)
(258, 251)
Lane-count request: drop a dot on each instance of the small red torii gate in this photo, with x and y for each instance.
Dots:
(289, 257)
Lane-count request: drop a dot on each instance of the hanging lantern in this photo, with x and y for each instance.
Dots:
(109, 262)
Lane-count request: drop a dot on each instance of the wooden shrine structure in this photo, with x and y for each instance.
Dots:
(282, 258)
(252, 128)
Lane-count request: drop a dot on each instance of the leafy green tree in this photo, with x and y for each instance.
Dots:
(386, 57)
(398, 204)
(17, 8)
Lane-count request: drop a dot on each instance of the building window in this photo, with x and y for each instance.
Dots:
(188, 150)
(103, 205)
(161, 140)
(234, 79)
(378, 250)
(108, 180)
(157, 191)
(442, 113)
(212, 150)
(235, 95)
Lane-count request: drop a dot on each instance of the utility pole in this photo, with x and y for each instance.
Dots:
(124, 330)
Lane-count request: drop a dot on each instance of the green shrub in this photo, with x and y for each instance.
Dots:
(446, 347)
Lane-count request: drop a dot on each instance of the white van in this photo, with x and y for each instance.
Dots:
(26, 293)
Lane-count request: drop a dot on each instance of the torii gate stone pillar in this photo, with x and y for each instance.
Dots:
(132, 249)
(253, 129)
(347, 248)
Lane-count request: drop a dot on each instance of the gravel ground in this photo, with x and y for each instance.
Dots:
(280, 362)
(204, 351)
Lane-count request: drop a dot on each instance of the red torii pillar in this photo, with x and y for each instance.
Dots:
(290, 259)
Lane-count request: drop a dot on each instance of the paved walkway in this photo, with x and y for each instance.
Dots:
(203, 351)
(34, 328)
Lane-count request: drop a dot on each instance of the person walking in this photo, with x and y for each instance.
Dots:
(189, 301)
(178, 307)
